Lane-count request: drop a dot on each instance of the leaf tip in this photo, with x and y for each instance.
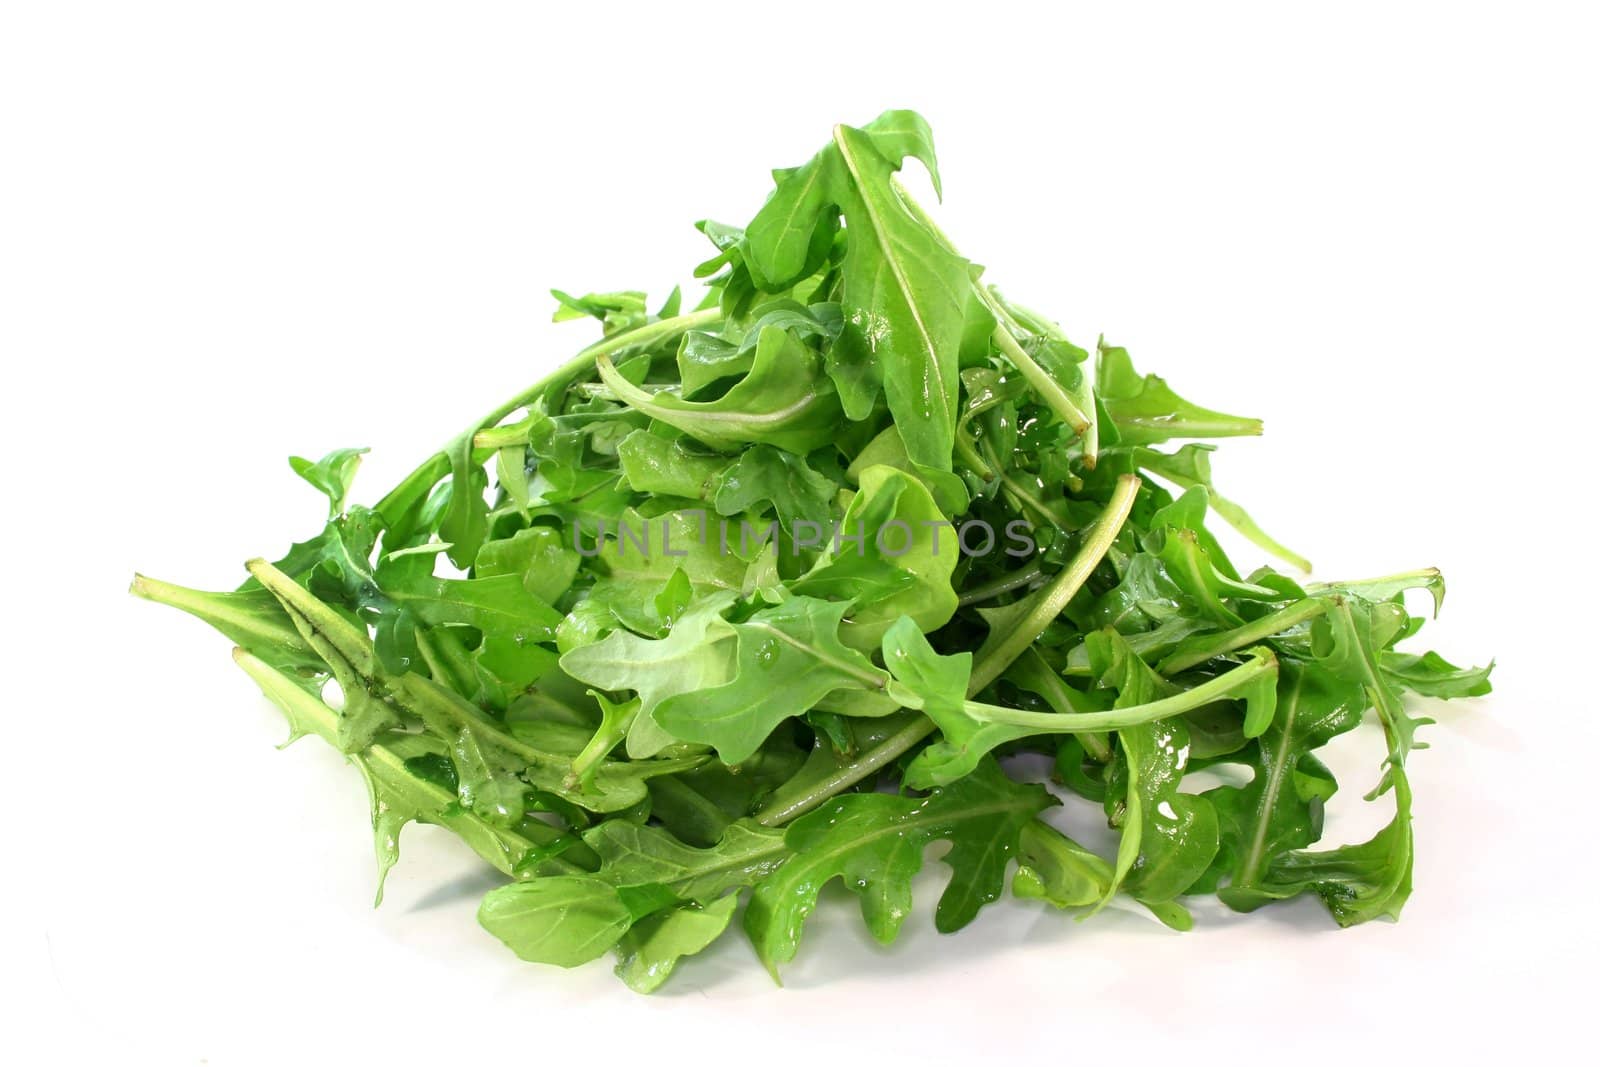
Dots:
(772, 969)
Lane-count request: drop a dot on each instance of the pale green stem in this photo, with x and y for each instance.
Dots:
(1094, 745)
(1041, 380)
(1118, 718)
(497, 437)
(969, 456)
(649, 334)
(1248, 634)
(606, 737)
(1083, 397)
(1003, 584)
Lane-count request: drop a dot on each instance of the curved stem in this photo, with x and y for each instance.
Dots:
(1003, 584)
(1248, 634)
(648, 334)
(969, 456)
(1021, 496)
(1049, 722)
(420, 481)
(992, 661)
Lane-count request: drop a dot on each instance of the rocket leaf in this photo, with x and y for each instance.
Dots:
(874, 842)
(787, 581)
(788, 657)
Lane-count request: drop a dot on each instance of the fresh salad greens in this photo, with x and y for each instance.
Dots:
(753, 596)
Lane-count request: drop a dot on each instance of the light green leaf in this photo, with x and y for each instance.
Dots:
(649, 952)
(565, 921)
(789, 657)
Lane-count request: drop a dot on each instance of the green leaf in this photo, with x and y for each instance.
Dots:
(565, 921)
(649, 952)
(894, 524)
(465, 522)
(788, 657)
(538, 555)
(1146, 411)
(654, 899)
(889, 449)
(251, 618)
(905, 298)
(331, 475)
(647, 554)
(399, 794)
(1177, 833)
(790, 236)
(874, 842)
(1281, 807)
(905, 294)
(501, 605)
(938, 682)
(706, 358)
(632, 854)
(692, 657)
(618, 311)
(1168, 838)
(766, 475)
(652, 463)
(1056, 869)
(1431, 675)
(1357, 883)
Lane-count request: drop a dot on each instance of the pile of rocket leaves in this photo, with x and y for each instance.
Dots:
(831, 568)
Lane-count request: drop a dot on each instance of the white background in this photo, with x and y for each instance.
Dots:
(232, 232)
